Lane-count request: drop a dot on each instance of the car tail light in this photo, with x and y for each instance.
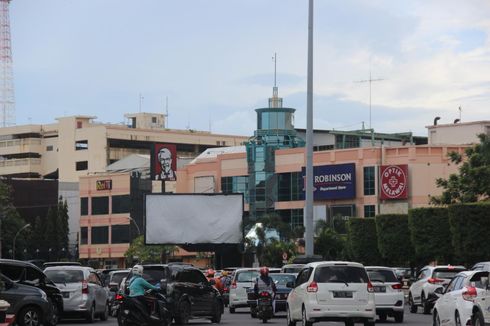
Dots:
(233, 285)
(397, 286)
(470, 294)
(118, 297)
(435, 280)
(264, 294)
(370, 287)
(84, 287)
(313, 287)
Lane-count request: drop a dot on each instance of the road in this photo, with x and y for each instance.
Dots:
(242, 318)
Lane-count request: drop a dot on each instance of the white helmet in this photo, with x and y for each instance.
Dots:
(137, 270)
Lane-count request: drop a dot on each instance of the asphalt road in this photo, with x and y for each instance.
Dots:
(242, 318)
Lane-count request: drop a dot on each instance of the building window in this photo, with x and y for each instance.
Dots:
(100, 205)
(79, 124)
(84, 235)
(81, 166)
(83, 206)
(120, 234)
(369, 181)
(81, 145)
(49, 148)
(290, 186)
(121, 204)
(369, 210)
(100, 234)
(296, 218)
(154, 119)
(238, 184)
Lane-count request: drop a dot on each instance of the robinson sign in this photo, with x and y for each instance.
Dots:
(334, 181)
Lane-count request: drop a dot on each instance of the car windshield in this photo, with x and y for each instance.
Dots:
(117, 277)
(282, 279)
(381, 275)
(341, 274)
(446, 273)
(247, 276)
(65, 276)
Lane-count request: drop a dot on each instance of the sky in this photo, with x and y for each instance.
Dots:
(212, 59)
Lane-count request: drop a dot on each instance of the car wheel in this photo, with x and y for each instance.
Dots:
(349, 322)
(436, 319)
(217, 313)
(184, 314)
(231, 309)
(369, 322)
(289, 319)
(477, 319)
(425, 305)
(90, 317)
(55, 318)
(457, 319)
(382, 317)
(30, 316)
(105, 315)
(413, 307)
(398, 317)
(304, 319)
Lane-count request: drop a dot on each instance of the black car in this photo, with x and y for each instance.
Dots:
(29, 304)
(189, 293)
(28, 274)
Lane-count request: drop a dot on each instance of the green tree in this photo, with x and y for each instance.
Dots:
(273, 250)
(363, 240)
(394, 242)
(10, 223)
(330, 245)
(140, 252)
(472, 183)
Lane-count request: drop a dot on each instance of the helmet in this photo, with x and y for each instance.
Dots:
(225, 273)
(264, 271)
(137, 270)
(210, 272)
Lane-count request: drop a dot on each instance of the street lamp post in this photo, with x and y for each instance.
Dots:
(15, 238)
(135, 224)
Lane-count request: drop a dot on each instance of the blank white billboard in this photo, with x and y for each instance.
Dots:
(193, 219)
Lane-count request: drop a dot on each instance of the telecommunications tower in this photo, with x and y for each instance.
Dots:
(7, 100)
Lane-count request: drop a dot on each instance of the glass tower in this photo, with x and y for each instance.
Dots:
(275, 130)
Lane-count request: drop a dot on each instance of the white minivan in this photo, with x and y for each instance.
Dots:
(243, 278)
(332, 291)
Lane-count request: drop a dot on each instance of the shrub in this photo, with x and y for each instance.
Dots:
(363, 240)
(394, 242)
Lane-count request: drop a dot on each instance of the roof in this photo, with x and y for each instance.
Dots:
(214, 152)
(333, 263)
(379, 267)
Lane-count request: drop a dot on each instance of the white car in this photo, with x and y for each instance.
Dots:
(428, 280)
(388, 293)
(465, 301)
(332, 291)
(243, 278)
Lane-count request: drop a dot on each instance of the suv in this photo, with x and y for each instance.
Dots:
(29, 274)
(243, 279)
(189, 293)
(332, 291)
(82, 290)
(29, 304)
(428, 280)
(483, 266)
(388, 293)
(465, 300)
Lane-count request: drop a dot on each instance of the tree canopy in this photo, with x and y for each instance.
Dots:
(472, 183)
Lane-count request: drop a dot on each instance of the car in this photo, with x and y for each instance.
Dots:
(404, 275)
(464, 301)
(243, 279)
(29, 304)
(388, 293)
(29, 274)
(83, 292)
(114, 279)
(61, 263)
(428, 280)
(189, 293)
(332, 291)
(284, 283)
(292, 268)
(483, 266)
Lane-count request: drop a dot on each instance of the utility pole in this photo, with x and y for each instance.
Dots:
(7, 98)
(370, 81)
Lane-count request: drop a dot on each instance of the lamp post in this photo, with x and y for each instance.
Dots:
(135, 224)
(15, 238)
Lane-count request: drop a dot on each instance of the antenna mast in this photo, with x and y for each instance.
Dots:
(7, 98)
(370, 81)
(275, 101)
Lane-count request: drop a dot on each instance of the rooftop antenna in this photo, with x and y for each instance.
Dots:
(140, 101)
(460, 109)
(166, 112)
(275, 101)
(370, 81)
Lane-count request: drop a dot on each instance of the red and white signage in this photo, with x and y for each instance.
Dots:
(394, 181)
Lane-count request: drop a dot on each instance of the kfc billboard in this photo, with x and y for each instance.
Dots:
(164, 162)
(394, 181)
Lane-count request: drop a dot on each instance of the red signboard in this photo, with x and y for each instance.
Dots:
(394, 181)
(164, 162)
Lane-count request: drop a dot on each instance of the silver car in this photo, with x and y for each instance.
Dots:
(83, 292)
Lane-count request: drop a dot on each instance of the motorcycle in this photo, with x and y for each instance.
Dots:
(129, 315)
(264, 308)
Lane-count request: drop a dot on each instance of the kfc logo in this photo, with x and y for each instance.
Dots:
(164, 160)
(394, 182)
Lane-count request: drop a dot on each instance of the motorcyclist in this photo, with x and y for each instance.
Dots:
(137, 287)
(225, 280)
(216, 281)
(265, 283)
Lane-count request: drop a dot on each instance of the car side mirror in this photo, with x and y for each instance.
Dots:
(439, 291)
(484, 282)
(290, 284)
